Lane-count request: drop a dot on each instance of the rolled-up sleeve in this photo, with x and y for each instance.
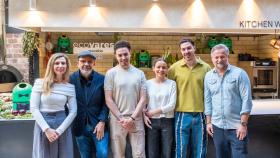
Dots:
(245, 93)
(207, 97)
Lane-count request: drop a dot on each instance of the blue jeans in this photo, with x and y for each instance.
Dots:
(84, 143)
(190, 135)
(228, 145)
(159, 138)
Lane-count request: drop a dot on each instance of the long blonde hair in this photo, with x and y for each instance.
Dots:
(50, 75)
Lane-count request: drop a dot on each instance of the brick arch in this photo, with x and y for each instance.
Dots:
(9, 74)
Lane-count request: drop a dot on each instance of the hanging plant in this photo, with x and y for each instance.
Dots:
(30, 42)
(2, 53)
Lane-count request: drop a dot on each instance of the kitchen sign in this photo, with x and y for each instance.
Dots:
(98, 49)
(259, 24)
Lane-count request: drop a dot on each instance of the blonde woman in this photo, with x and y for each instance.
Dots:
(159, 114)
(52, 135)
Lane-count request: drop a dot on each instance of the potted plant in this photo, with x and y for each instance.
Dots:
(169, 58)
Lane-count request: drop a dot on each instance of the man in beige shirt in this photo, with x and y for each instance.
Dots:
(125, 94)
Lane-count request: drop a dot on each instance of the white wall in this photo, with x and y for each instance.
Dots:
(144, 15)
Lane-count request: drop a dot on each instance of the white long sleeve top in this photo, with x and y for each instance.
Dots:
(162, 95)
(53, 102)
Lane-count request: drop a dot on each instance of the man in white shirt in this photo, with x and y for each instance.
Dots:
(125, 94)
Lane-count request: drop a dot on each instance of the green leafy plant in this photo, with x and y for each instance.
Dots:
(167, 56)
(2, 50)
(116, 37)
(30, 42)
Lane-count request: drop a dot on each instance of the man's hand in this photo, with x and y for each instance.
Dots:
(127, 123)
(241, 132)
(147, 121)
(209, 128)
(51, 134)
(99, 130)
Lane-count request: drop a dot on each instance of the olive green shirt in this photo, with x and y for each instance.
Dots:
(190, 85)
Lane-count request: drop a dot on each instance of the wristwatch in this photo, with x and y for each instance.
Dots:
(244, 123)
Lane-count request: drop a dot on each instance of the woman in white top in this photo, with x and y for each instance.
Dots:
(52, 137)
(159, 114)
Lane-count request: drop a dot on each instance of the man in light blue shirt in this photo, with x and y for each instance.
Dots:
(228, 103)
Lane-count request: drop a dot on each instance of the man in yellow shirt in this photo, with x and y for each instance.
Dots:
(190, 131)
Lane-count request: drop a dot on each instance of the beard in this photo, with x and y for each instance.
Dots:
(221, 65)
(85, 73)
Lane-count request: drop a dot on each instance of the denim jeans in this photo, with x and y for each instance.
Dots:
(84, 143)
(190, 135)
(228, 145)
(159, 139)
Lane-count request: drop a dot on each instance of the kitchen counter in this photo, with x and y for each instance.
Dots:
(266, 107)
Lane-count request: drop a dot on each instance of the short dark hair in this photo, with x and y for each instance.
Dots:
(122, 44)
(185, 40)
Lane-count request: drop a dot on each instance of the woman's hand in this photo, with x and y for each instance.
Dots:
(147, 121)
(51, 134)
(152, 112)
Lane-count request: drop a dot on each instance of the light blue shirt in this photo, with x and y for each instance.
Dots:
(227, 97)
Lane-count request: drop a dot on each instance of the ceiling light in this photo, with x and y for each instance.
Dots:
(32, 5)
(92, 3)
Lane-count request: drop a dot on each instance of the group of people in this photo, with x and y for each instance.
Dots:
(166, 116)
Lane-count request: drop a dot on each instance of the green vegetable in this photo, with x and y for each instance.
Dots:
(25, 116)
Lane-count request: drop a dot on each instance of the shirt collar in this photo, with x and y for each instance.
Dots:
(198, 61)
(228, 69)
